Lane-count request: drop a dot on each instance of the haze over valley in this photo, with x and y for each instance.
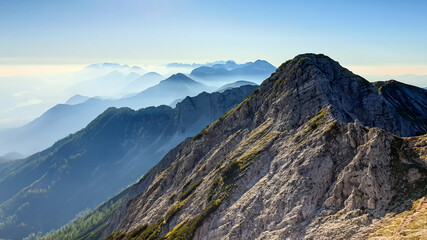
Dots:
(212, 120)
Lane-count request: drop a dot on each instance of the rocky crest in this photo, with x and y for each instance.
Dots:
(310, 155)
(46, 190)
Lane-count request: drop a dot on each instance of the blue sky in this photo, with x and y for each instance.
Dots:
(42, 40)
(368, 33)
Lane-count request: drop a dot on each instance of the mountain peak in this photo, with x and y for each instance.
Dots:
(260, 61)
(311, 59)
(152, 74)
(295, 154)
(319, 60)
(179, 77)
(311, 81)
(76, 99)
(317, 67)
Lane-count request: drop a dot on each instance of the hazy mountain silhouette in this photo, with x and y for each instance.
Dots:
(63, 119)
(315, 153)
(76, 99)
(235, 84)
(139, 84)
(253, 71)
(106, 85)
(48, 189)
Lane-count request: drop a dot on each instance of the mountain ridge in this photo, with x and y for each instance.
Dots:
(139, 84)
(78, 172)
(63, 119)
(301, 158)
(251, 71)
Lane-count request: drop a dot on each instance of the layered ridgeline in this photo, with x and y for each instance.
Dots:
(48, 189)
(64, 119)
(230, 71)
(310, 155)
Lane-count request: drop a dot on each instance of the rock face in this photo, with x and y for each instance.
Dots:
(410, 101)
(310, 155)
(46, 190)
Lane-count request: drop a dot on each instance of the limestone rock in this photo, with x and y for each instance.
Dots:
(311, 155)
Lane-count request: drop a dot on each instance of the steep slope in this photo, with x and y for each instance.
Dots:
(410, 224)
(410, 101)
(49, 188)
(298, 159)
(64, 119)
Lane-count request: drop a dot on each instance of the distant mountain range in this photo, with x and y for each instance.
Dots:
(235, 84)
(49, 188)
(230, 71)
(115, 66)
(192, 65)
(316, 152)
(230, 65)
(64, 119)
(105, 85)
(76, 99)
(175, 87)
(412, 79)
(11, 156)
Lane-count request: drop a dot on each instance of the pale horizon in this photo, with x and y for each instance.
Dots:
(47, 41)
(52, 70)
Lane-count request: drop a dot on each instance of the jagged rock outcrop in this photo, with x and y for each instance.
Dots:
(46, 190)
(310, 155)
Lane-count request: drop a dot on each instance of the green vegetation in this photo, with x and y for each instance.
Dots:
(173, 210)
(317, 120)
(220, 188)
(186, 230)
(406, 225)
(145, 232)
(82, 227)
(150, 232)
(201, 133)
(217, 193)
(190, 190)
(203, 168)
(333, 125)
(302, 60)
(230, 172)
(254, 93)
(223, 184)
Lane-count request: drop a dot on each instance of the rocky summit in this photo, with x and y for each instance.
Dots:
(316, 152)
